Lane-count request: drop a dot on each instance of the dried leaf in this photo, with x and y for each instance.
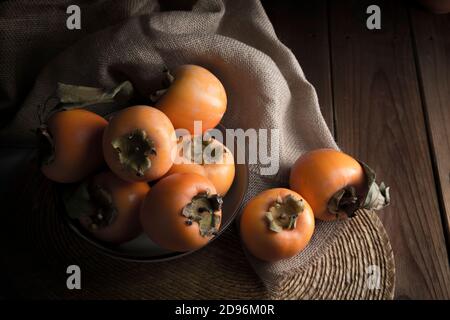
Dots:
(73, 96)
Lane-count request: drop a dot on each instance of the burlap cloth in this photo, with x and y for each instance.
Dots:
(266, 88)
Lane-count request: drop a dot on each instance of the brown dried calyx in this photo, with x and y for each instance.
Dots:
(283, 213)
(348, 201)
(166, 83)
(209, 151)
(93, 201)
(134, 150)
(204, 209)
(46, 145)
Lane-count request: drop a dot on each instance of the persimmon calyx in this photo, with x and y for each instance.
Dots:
(204, 210)
(166, 83)
(344, 200)
(348, 201)
(205, 151)
(46, 145)
(377, 196)
(134, 150)
(92, 201)
(283, 213)
(105, 211)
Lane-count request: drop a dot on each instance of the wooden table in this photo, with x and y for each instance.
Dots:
(385, 95)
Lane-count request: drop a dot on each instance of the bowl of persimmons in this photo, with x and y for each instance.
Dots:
(134, 186)
(147, 184)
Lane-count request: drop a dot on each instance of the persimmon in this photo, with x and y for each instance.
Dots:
(195, 94)
(182, 212)
(336, 185)
(211, 159)
(276, 224)
(108, 207)
(71, 145)
(138, 143)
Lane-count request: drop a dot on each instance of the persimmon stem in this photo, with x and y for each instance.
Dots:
(283, 213)
(377, 196)
(344, 200)
(92, 201)
(203, 209)
(134, 149)
(348, 201)
(104, 210)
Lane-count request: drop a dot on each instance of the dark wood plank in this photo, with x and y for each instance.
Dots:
(432, 44)
(379, 120)
(302, 26)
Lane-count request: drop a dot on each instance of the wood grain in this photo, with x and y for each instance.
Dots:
(303, 27)
(379, 120)
(432, 45)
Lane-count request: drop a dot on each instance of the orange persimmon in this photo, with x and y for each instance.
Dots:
(195, 94)
(276, 224)
(71, 145)
(336, 185)
(212, 160)
(115, 206)
(138, 143)
(182, 212)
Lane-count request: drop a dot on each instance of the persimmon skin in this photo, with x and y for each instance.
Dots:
(157, 127)
(77, 136)
(220, 174)
(266, 244)
(127, 198)
(319, 174)
(161, 213)
(195, 95)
